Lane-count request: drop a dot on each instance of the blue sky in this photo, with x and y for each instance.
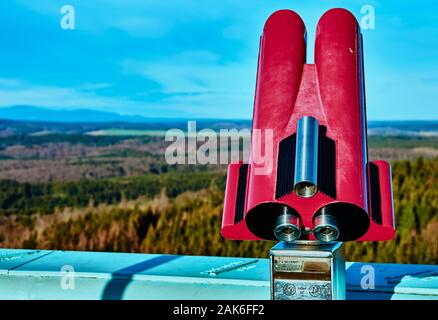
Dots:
(197, 59)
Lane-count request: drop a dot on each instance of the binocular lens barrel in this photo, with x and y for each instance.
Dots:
(325, 228)
(306, 157)
(287, 228)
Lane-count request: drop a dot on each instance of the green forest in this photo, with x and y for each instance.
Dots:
(43, 198)
(180, 213)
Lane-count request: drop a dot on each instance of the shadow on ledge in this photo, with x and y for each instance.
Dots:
(115, 288)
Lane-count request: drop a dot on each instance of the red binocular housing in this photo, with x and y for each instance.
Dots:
(318, 183)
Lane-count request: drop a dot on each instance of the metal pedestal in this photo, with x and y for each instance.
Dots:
(307, 270)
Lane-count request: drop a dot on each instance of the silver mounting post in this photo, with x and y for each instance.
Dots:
(307, 270)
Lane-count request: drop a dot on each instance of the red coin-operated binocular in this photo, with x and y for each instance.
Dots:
(319, 184)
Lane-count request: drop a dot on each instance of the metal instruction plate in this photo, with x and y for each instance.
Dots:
(302, 290)
(301, 264)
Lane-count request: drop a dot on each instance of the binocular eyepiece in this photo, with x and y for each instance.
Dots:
(288, 228)
(326, 228)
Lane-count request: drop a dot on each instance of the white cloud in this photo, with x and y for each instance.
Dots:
(194, 72)
(140, 26)
(19, 92)
(401, 94)
(89, 86)
(197, 80)
(9, 82)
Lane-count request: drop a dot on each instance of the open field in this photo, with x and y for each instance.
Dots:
(127, 133)
(72, 153)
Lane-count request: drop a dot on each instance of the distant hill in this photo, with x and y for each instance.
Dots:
(33, 119)
(404, 128)
(31, 113)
